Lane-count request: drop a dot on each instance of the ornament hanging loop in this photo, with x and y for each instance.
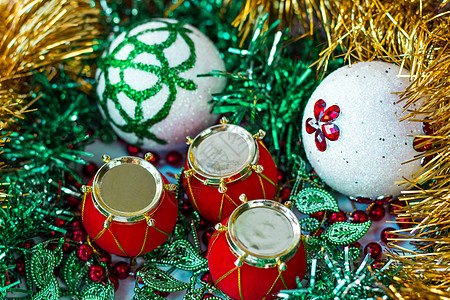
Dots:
(108, 221)
(86, 189)
(224, 120)
(260, 134)
(222, 186)
(243, 198)
(149, 156)
(106, 158)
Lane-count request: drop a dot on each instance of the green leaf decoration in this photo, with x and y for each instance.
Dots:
(159, 280)
(74, 273)
(183, 255)
(188, 258)
(312, 200)
(344, 233)
(145, 293)
(50, 291)
(98, 292)
(41, 265)
(310, 224)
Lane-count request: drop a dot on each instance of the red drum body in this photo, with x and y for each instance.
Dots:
(257, 251)
(223, 162)
(128, 209)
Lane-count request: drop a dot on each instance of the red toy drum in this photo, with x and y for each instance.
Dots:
(223, 162)
(257, 251)
(128, 209)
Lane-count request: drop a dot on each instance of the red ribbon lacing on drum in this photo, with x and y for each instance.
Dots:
(101, 232)
(261, 176)
(214, 238)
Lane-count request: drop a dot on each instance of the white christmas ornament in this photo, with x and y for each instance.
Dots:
(352, 134)
(148, 85)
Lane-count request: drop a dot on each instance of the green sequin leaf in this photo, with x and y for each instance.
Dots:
(312, 200)
(50, 291)
(146, 293)
(310, 224)
(159, 280)
(98, 292)
(74, 272)
(344, 233)
(41, 262)
(187, 257)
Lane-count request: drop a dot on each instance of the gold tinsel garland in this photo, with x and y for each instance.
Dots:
(37, 34)
(415, 35)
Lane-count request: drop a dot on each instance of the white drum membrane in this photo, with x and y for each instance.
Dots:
(264, 231)
(222, 153)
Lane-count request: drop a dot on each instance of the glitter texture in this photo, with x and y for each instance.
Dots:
(148, 85)
(367, 158)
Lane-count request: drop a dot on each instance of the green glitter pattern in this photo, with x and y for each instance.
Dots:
(312, 200)
(343, 233)
(167, 75)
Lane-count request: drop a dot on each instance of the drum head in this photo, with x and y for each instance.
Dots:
(264, 229)
(127, 187)
(222, 151)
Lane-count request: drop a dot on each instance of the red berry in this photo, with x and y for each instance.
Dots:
(386, 234)
(377, 212)
(58, 222)
(26, 244)
(154, 159)
(84, 252)
(51, 247)
(162, 294)
(356, 245)
(318, 232)
(73, 202)
(281, 176)
(20, 265)
(395, 205)
(206, 277)
(360, 216)
(204, 223)
(138, 278)
(378, 264)
(319, 215)
(173, 158)
(362, 200)
(285, 194)
(133, 150)
(89, 170)
(66, 247)
(78, 235)
(105, 257)
(96, 273)
(121, 270)
(404, 223)
(186, 208)
(337, 217)
(76, 224)
(114, 281)
(374, 249)
(71, 180)
(207, 235)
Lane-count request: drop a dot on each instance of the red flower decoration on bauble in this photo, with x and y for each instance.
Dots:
(323, 126)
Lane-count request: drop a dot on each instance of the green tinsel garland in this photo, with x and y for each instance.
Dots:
(270, 80)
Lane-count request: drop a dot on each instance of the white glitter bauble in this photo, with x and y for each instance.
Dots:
(365, 159)
(148, 85)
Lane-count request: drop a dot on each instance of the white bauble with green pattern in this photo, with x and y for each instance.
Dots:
(148, 84)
